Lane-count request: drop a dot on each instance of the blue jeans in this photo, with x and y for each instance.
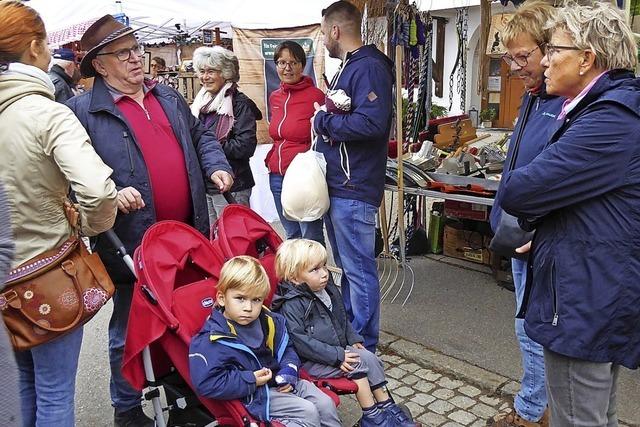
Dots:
(123, 396)
(531, 400)
(48, 381)
(351, 230)
(294, 229)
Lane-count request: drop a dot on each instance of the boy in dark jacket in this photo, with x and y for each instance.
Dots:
(323, 336)
(243, 352)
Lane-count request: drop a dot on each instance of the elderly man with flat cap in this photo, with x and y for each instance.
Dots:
(161, 157)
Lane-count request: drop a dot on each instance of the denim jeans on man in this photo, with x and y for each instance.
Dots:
(293, 229)
(351, 230)
(123, 396)
(531, 401)
(48, 381)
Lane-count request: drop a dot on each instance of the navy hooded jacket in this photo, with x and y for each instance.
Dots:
(356, 152)
(582, 195)
(318, 334)
(536, 120)
(222, 366)
(115, 143)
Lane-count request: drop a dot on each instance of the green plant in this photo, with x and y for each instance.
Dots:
(438, 111)
(488, 114)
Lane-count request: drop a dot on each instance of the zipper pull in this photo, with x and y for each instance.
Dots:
(555, 320)
(147, 113)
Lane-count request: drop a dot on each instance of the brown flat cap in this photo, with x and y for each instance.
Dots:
(99, 34)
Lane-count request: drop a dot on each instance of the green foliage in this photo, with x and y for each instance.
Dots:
(438, 111)
(488, 114)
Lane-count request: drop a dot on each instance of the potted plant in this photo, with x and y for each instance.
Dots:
(487, 116)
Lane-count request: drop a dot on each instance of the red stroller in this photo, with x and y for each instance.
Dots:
(177, 271)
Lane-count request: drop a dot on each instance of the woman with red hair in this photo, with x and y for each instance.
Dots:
(44, 154)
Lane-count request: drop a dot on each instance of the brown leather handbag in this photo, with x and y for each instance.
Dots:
(54, 292)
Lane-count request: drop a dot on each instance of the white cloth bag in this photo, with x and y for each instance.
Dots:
(305, 196)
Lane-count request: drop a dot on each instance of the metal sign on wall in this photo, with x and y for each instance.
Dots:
(494, 42)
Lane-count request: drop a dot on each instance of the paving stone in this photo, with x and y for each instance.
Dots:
(432, 420)
(392, 384)
(484, 411)
(469, 390)
(463, 417)
(404, 391)
(451, 424)
(423, 399)
(444, 393)
(410, 379)
(395, 373)
(479, 423)
(392, 358)
(511, 388)
(415, 408)
(410, 367)
(424, 386)
(441, 407)
(504, 406)
(463, 402)
(446, 382)
(428, 374)
(491, 401)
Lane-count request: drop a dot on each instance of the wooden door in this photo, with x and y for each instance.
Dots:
(511, 92)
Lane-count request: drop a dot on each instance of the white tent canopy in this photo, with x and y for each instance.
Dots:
(162, 16)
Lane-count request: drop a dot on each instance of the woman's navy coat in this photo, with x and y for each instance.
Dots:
(582, 195)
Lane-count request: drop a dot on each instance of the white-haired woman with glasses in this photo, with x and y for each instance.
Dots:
(582, 196)
(290, 128)
(231, 115)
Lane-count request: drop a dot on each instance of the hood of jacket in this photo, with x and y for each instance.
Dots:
(288, 291)
(15, 85)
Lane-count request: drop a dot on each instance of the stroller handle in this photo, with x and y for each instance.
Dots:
(122, 251)
(229, 197)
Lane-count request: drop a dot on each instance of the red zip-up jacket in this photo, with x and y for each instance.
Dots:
(290, 128)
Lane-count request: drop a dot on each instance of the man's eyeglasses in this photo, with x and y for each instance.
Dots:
(520, 60)
(283, 64)
(125, 54)
(552, 49)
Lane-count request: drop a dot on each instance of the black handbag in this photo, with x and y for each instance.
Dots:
(508, 234)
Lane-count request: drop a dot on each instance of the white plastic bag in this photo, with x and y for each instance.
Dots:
(305, 196)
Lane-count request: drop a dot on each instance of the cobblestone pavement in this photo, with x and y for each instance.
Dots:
(442, 397)
(435, 399)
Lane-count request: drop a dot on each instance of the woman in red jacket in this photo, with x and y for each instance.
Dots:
(290, 129)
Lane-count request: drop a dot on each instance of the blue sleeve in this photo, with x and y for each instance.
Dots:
(371, 108)
(243, 140)
(587, 161)
(214, 375)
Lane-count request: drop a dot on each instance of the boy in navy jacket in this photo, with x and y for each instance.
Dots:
(243, 352)
(322, 334)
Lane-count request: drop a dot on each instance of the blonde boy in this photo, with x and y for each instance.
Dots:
(323, 336)
(243, 352)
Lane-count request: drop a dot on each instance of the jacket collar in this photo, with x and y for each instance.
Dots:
(59, 71)
(102, 96)
(305, 83)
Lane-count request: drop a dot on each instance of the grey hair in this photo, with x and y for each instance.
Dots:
(217, 58)
(601, 28)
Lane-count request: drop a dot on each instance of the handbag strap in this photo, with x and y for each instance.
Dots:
(72, 214)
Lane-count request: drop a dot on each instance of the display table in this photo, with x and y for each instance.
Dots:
(488, 201)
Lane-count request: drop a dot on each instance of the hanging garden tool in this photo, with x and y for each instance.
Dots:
(459, 71)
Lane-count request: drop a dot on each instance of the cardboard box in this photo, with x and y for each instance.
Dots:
(456, 209)
(467, 245)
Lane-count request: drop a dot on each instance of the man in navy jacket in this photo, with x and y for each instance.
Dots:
(354, 142)
(160, 156)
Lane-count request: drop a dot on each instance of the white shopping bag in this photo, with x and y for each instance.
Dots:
(305, 196)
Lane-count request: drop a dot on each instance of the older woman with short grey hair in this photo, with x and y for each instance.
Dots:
(582, 197)
(231, 115)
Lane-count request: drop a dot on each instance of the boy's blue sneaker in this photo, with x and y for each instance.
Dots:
(376, 417)
(400, 418)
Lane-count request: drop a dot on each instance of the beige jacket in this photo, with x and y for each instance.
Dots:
(43, 151)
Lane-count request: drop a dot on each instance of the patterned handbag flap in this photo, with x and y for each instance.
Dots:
(42, 262)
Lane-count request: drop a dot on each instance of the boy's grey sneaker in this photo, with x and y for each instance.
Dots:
(132, 418)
